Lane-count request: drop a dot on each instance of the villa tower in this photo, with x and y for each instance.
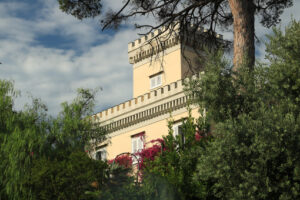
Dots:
(161, 61)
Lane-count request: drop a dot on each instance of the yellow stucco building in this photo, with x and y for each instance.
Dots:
(159, 69)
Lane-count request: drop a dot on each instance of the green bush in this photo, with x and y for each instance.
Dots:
(170, 174)
(35, 145)
(255, 153)
(65, 179)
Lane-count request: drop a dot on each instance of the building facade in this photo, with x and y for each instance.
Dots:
(161, 62)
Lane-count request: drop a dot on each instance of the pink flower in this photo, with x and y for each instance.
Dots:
(124, 160)
(198, 136)
(151, 152)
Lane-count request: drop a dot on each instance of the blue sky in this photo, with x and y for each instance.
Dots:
(49, 54)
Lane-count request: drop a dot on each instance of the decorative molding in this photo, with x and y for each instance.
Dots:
(158, 41)
(146, 109)
(157, 56)
(150, 50)
(147, 114)
(148, 122)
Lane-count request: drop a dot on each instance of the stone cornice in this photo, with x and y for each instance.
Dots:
(151, 105)
(146, 114)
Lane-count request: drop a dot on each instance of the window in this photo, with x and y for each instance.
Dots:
(137, 144)
(100, 153)
(177, 131)
(155, 81)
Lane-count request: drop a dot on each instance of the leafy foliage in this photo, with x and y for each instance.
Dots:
(149, 153)
(81, 8)
(30, 138)
(170, 174)
(119, 184)
(255, 151)
(282, 51)
(124, 160)
(65, 179)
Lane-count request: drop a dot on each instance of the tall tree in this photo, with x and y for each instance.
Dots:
(255, 150)
(208, 13)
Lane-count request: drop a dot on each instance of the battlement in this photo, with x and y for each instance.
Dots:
(127, 109)
(155, 42)
(146, 39)
(151, 44)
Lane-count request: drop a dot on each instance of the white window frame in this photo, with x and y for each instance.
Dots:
(137, 145)
(103, 153)
(156, 81)
(177, 130)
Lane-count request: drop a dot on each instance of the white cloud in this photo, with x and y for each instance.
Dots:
(53, 74)
(50, 74)
(12, 7)
(53, 21)
(21, 30)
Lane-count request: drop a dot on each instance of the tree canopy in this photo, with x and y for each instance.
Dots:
(255, 152)
(35, 147)
(212, 14)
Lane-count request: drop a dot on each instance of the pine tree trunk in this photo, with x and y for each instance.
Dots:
(243, 24)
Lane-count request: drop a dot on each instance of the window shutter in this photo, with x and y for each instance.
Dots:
(134, 145)
(140, 144)
(181, 134)
(175, 131)
(152, 83)
(137, 144)
(158, 81)
(103, 155)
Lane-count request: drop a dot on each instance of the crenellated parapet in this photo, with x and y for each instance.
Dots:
(150, 105)
(156, 42)
(151, 44)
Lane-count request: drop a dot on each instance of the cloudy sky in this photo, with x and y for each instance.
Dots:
(49, 54)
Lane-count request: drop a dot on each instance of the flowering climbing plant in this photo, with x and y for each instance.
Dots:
(124, 160)
(173, 159)
(157, 146)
